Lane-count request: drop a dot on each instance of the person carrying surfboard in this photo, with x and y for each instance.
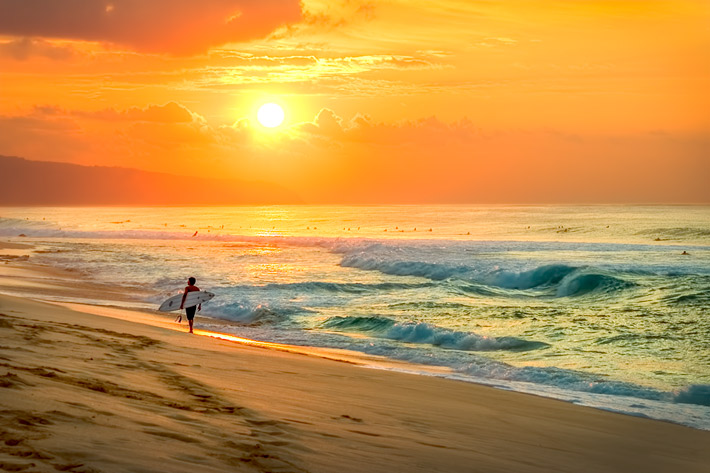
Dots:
(190, 311)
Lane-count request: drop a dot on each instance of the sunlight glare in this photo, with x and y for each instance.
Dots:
(270, 115)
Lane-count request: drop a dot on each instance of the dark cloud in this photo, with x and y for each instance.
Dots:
(23, 48)
(171, 112)
(338, 13)
(168, 113)
(172, 26)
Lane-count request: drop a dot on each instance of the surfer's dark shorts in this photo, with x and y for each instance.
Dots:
(190, 312)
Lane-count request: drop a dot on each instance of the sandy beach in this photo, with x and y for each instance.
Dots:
(106, 389)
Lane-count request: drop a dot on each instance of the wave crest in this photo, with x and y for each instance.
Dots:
(433, 271)
(249, 315)
(694, 394)
(350, 288)
(358, 324)
(568, 280)
(581, 283)
(542, 276)
(424, 333)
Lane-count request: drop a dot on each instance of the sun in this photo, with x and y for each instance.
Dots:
(270, 115)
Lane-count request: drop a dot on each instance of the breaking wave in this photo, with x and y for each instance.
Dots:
(581, 283)
(351, 288)
(247, 314)
(424, 333)
(433, 271)
(567, 281)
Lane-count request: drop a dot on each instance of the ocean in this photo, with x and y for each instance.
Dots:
(595, 305)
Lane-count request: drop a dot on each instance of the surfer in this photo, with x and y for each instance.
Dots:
(190, 311)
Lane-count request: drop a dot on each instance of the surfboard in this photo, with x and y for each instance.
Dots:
(192, 299)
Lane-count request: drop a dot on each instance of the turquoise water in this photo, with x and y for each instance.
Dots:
(596, 305)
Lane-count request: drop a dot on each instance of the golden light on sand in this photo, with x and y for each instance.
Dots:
(270, 115)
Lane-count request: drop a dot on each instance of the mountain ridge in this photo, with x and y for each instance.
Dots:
(27, 182)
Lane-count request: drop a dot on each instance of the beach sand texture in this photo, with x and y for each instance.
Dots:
(85, 393)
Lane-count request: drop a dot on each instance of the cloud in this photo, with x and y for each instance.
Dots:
(163, 26)
(365, 75)
(168, 113)
(362, 129)
(23, 48)
(330, 15)
(360, 160)
(171, 112)
(327, 122)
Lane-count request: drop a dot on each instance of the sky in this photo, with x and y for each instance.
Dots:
(397, 101)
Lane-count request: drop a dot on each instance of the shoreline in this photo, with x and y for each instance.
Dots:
(95, 387)
(44, 283)
(91, 392)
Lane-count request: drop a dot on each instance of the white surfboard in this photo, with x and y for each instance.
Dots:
(192, 299)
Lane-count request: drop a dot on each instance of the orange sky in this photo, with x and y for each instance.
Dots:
(385, 101)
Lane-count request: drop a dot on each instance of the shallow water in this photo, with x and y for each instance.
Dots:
(595, 305)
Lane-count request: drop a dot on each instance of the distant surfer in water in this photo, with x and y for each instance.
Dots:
(190, 311)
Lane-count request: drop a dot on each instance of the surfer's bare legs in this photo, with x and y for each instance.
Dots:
(190, 313)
